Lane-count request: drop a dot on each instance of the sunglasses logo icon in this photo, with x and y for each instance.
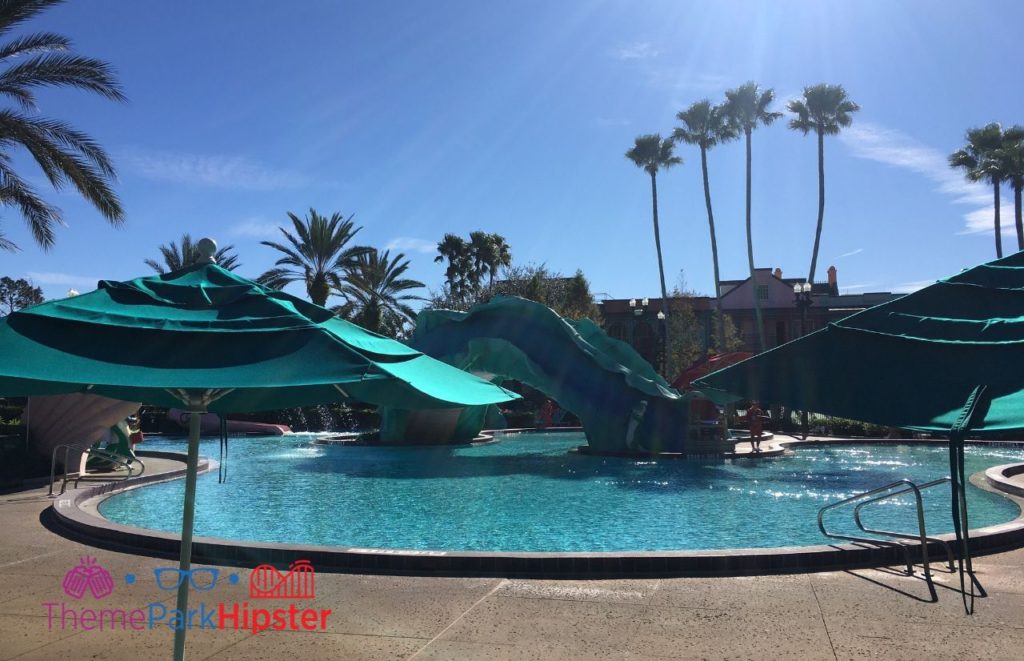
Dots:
(202, 579)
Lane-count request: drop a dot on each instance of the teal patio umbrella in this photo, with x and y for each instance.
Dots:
(209, 340)
(948, 358)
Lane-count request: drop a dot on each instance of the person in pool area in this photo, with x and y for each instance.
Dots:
(755, 418)
(547, 413)
(636, 416)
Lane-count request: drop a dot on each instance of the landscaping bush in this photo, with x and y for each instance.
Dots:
(832, 426)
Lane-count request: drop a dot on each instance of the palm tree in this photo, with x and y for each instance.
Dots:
(1012, 165)
(825, 109)
(455, 249)
(980, 161)
(176, 258)
(706, 125)
(488, 253)
(482, 255)
(378, 296)
(652, 153)
(499, 255)
(64, 154)
(318, 254)
(747, 107)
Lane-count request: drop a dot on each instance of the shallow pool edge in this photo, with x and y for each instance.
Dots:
(76, 516)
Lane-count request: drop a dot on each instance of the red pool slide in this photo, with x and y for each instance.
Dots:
(211, 424)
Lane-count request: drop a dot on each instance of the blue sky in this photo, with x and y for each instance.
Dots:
(425, 118)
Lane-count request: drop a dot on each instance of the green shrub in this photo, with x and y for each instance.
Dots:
(832, 426)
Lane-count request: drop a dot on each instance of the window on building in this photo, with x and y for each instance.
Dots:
(780, 332)
(762, 292)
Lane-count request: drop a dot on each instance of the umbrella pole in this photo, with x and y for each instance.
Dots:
(957, 483)
(187, 520)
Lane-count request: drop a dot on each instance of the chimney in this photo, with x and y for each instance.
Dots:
(833, 281)
(778, 273)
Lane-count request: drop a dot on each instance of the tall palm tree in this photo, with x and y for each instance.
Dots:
(176, 258)
(455, 249)
(825, 109)
(317, 255)
(499, 255)
(64, 154)
(747, 108)
(378, 296)
(482, 254)
(1012, 165)
(980, 161)
(651, 153)
(488, 253)
(706, 125)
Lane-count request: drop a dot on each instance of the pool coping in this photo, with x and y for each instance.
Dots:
(76, 515)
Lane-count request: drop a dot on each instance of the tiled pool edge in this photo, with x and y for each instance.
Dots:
(75, 517)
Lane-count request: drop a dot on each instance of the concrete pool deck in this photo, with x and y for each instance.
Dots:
(832, 615)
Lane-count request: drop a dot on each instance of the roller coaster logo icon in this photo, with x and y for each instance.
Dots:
(266, 582)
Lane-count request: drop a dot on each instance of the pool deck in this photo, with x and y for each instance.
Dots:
(831, 615)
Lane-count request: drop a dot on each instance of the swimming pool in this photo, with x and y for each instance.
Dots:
(527, 493)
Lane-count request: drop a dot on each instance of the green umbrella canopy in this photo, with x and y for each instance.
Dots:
(206, 328)
(948, 358)
(211, 340)
(911, 363)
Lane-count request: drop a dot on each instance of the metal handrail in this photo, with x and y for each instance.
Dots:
(53, 467)
(903, 535)
(117, 460)
(882, 542)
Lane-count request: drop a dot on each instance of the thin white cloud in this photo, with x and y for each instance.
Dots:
(912, 286)
(863, 285)
(638, 50)
(409, 244)
(851, 253)
(215, 171)
(899, 150)
(983, 221)
(56, 279)
(255, 228)
(782, 100)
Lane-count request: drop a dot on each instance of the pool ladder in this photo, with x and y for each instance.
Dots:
(891, 490)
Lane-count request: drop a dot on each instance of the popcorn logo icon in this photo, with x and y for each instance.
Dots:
(88, 576)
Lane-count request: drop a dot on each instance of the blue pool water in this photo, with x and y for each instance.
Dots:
(527, 493)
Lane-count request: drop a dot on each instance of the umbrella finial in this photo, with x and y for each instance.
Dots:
(206, 248)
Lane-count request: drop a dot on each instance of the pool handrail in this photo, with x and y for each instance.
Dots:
(117, 460)
(902, 535)
(882, 542)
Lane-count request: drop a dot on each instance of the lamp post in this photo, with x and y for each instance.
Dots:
(663, 326)
(638, 308)
(802, 298)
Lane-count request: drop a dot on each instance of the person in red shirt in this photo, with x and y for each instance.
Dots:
(755, 418)
(547, 413)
